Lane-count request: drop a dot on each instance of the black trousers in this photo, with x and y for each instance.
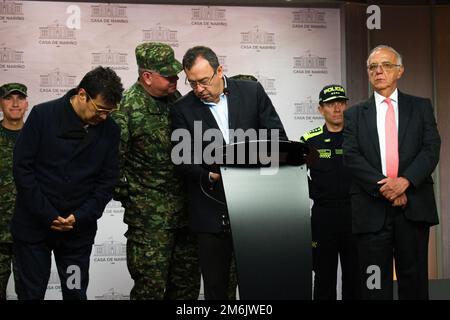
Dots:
(215, 258)
(332, 237)
(405, 241)
(33, 264)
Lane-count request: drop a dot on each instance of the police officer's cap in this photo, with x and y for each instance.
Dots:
(332, 92)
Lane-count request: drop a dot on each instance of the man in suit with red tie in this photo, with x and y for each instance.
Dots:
(391, 146)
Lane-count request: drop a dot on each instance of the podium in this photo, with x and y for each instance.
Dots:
(269, 212)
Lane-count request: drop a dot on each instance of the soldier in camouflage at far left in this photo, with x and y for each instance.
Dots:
(13, 104)
(161, 251)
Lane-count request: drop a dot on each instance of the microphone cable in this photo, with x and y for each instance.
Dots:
(207, 194)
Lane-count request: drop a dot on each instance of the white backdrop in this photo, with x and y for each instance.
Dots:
(293, 52)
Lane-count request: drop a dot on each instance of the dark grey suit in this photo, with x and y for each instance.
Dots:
(380, 226)
(249, 107)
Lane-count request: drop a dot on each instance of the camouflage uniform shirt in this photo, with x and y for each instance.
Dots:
(7, 187)
(149, 189)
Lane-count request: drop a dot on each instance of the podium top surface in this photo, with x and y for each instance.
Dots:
(260, 153)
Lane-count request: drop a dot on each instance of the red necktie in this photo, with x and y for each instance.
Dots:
(391, 141)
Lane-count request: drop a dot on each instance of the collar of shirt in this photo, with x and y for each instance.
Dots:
(212, 104)
(8, 133)
(220, 113)
(379, 98)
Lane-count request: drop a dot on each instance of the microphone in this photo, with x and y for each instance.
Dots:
(226, 91)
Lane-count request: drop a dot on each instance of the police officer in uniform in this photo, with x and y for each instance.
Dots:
(329, 184)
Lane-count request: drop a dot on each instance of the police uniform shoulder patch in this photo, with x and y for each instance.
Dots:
(312, 133)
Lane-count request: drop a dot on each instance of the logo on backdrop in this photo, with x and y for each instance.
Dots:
(110, 58)
(310, 64)
(161, 34)
(57, 82)
(108, 13)
(267, 83)
(258, 40)
(114, 208)
(58, 35)
(110, 251)
(53, 282)
(11, 59)
(307, 110)
(223, 62)
(209, 16)
(309, 19)
(112, 294)
(11, 11)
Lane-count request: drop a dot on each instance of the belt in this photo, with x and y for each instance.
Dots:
(332, 202)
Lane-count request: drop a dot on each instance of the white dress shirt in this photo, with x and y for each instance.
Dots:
(220, 113)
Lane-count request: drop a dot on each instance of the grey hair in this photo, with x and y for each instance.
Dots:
(382, 46)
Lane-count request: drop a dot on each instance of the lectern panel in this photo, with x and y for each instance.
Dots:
(270, 224)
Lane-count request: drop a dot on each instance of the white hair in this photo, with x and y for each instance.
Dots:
(399, 57)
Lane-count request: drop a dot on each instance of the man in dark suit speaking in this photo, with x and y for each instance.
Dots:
(224, 104)
(65, 169)
(391, 146)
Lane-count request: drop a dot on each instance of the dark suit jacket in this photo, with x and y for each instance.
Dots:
(248, 107)
(419, 146)
(58, 172)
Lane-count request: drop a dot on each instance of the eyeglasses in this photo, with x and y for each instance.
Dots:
(202, 83)
(99, 110)
(385, 66)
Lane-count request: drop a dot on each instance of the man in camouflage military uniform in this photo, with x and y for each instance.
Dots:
(329, 186)
(13, 104)
(161, 251)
